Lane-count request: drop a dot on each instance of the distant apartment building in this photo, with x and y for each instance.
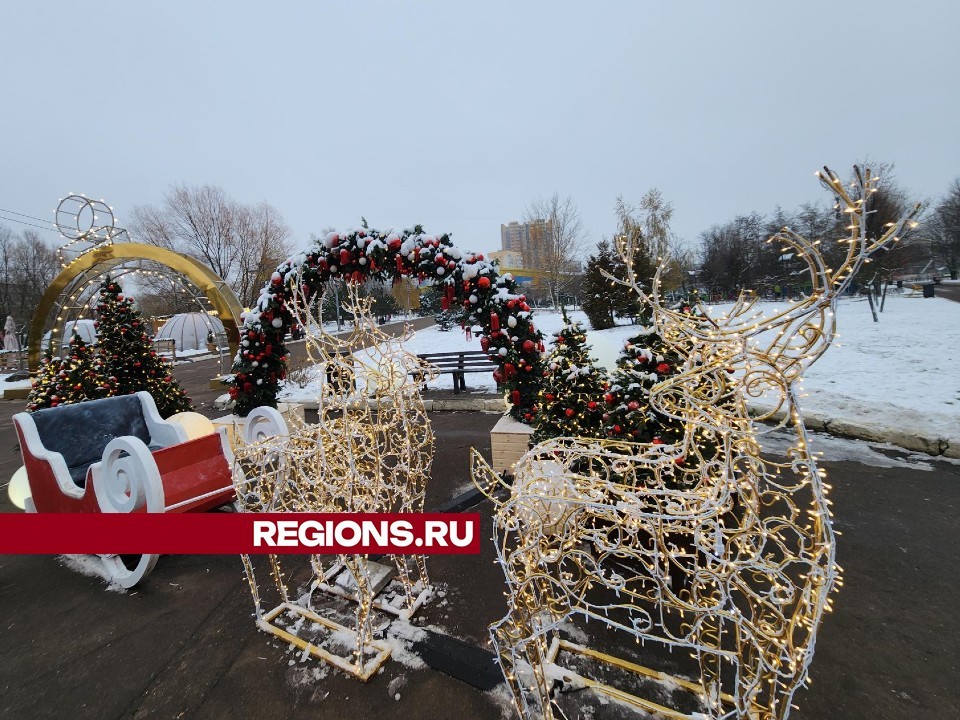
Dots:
(529, 239)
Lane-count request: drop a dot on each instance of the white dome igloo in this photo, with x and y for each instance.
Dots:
(189, 330)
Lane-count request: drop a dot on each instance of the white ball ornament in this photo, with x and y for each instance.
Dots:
(440, 271)
(502, 351)
(362, 261)
(512, 321)
(474, 299)
(255, 363)
(277, 322)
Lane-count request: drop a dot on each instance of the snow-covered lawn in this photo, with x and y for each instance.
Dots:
(902, 373)
(899, 374)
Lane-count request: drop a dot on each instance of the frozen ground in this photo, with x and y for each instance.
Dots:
(896, 380)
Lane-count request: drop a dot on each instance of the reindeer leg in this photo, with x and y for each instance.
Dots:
(357, 567)
(522, 653)
(278, 580)
(252, 580)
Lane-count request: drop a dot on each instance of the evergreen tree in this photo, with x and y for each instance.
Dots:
(645, 361)
(128, 356)
(570, 403)
(434, 302)
(79, 376)
(597, 291)
(384, 304)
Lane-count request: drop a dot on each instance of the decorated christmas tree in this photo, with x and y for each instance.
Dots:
(78, 376)
(648, 359)
(645, 361)
(128, 356)
(570, 403)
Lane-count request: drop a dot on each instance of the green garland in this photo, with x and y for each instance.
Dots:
(492, 308)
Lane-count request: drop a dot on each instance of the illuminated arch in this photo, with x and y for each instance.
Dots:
(493, 308)
(94, 264)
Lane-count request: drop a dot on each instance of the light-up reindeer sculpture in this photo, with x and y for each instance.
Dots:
(370, 451)
(703, 545)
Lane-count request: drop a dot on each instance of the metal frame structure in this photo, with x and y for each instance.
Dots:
(370, 451)
(71, 293)
(705, 545)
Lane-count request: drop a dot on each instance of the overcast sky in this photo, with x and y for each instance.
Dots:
(456, 115)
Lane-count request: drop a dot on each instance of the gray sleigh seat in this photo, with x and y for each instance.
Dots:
(81, 431)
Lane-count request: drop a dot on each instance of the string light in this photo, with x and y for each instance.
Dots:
(370, 451)
(703, 544)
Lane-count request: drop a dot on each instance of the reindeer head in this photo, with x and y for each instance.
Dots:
(762, 352)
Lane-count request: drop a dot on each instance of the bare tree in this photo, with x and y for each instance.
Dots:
(28, 265)
(884, 206)
(943, 229)
(555, 242)
(243, 244)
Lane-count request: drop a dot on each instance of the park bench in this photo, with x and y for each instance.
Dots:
(166, 346)
(457, 364)
(118, 455)
(9, 360)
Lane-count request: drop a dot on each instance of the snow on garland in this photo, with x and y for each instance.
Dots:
(493, 308)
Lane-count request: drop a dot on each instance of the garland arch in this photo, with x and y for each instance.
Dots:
(494, 308)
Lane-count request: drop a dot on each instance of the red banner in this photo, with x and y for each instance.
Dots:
(239, 533)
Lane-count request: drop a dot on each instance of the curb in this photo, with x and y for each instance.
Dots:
(485, 405)
(937, 447)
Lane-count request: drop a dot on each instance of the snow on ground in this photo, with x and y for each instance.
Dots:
(900, 374)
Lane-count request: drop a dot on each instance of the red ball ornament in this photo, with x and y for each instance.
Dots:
(569, 412)
(529, 346)
(483, 282)
(548, 397)
(617, 429)
(633, 405)
(592, 405)
(608, 398)
(663, 368)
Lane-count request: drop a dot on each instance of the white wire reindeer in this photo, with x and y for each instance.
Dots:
(704, 545)
(370, 451)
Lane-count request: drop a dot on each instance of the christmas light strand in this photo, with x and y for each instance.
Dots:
(702, 544)
(370, 451)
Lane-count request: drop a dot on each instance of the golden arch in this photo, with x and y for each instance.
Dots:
(104, 258)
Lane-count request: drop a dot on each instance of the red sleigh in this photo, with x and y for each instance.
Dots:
(118, 455)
